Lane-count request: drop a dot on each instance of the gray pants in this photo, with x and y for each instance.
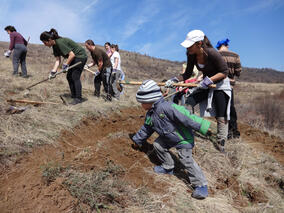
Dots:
(19, 57)
(115, 76)
(195, 173)
(106, 79)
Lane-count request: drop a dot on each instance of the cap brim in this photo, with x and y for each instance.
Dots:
(187, 43)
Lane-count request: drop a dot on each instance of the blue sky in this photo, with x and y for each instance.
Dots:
(157, 27)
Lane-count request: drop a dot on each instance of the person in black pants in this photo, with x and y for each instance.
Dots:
(101, 59)
(74, 53)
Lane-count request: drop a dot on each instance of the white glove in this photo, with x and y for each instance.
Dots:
(7, 53)
(86, 66)
(52, 74)
(169, 83)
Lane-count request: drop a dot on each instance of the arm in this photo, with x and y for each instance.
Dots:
(100, 64)
(12, 41)
(143, 134)
(220, 65)
(181, 115)
(238, 67)
(56, 64)
(115, 63)
(70, 58)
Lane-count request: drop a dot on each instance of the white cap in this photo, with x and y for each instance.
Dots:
(192, 37)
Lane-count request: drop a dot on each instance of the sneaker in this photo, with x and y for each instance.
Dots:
(76, 101)
(24, 76)
(161, 170)
(200, 192)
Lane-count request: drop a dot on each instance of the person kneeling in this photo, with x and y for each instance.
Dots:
(174, 125)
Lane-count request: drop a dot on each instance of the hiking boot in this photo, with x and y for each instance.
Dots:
(161, 170)
(236, 134)
(96, 94)
(108, 97)
(200, 192)
(76, 101)
(221, 146)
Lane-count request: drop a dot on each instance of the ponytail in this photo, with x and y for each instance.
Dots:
(51, 35)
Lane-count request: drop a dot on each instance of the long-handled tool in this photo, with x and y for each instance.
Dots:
(29, 102)
(58, 73)
(163, 84)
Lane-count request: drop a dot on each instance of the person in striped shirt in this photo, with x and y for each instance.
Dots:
(235, 69)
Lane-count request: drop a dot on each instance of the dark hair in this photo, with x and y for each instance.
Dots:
(115, 46)
(10, 28)
(107, 44)
(52, 34)
(90, 42)
(206, 43)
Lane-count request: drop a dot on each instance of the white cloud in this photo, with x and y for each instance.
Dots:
(89, 6)
(36, 16)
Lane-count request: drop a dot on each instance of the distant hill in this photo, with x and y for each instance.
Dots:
(141, 67)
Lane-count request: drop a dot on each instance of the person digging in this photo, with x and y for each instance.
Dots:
(175, 126)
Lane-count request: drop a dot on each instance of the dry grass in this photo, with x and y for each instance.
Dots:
(243, 180)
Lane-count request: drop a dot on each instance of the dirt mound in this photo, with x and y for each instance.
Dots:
(263, 141)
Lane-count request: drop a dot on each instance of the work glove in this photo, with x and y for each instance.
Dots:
(169, 83)
(97, 73)
(65, 67)
(7, 53)
(52, 74)
(136, 146)
(205, 83)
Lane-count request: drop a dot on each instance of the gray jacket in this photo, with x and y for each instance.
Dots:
(173, 123)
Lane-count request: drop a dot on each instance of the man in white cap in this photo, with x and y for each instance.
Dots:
(174, 124)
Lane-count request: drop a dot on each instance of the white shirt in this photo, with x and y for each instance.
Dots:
(115, 55)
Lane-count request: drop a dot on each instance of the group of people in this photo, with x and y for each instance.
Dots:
(108, 62)
(174, 123)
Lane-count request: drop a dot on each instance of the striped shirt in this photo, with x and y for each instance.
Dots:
(233, 62)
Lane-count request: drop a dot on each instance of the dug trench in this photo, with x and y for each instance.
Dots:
(45, 179)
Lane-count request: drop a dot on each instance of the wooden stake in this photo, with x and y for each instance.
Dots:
(29, 102)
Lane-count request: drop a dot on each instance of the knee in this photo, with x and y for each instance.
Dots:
(222, 120)
(190, 101)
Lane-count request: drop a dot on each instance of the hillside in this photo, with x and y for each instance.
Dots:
(62, 158)
(138, 66)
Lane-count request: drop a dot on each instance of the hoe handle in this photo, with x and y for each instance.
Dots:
(58, 73)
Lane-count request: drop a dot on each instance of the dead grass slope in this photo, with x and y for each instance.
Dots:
(69, 147)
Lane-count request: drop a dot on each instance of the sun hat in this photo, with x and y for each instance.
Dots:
(148, 92)
(192, 37)
(222, 42)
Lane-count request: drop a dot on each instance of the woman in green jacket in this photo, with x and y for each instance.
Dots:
(74, 53)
